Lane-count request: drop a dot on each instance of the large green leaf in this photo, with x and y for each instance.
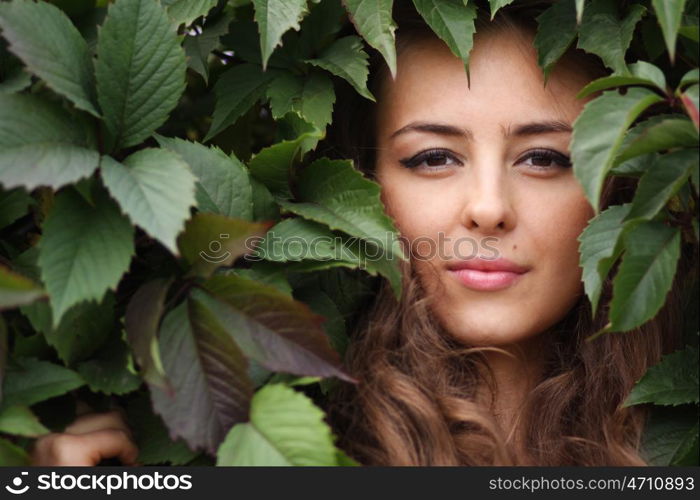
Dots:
(598, 133)
(641, 73)
(319, 28)
(346, 59)
(600, 248)
(186, 11)
(272, 166)
(223, 185)
(453, 22)
(212, 241)
(14, 203)
(20, 420)
(12, 455)
(82, 330)
(29, 381)
(690, 102)
(275, 18)
(210, 386)
(43, 145)
(285, 428)
(658, 134)
(661, 182)
(669, 13)
(372, 19)
(237, 89)
(556, 32)
(140, 70)
(311, 96)
(155, 188)
(671, 436)
(603, 34)
(334, 193)
(673, 381)
(141, 323)
(645, 276)
(79, 264)
(43, 37)
(270, 327)
(17, 290)
(495, 5)
(110, 371)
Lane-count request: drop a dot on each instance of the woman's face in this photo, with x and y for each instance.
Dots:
(475, 173)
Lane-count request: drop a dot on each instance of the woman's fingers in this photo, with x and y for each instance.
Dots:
(87, 441)
(98, 421)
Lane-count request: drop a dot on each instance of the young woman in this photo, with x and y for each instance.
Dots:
(484, 360)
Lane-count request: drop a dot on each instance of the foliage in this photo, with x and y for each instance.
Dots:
(144, 144)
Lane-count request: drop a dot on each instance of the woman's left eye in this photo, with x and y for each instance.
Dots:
(545, 159)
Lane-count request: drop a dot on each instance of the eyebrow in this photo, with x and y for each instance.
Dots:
(525, 129)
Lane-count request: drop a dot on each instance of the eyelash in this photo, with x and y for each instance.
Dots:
(560, 159)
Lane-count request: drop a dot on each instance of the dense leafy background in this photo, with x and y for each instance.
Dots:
(143, 141)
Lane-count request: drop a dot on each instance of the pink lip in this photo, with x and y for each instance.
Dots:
(488, 275)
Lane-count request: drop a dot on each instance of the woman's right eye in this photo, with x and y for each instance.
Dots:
(432, 159)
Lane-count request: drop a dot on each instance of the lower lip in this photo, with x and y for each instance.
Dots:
(486, 280)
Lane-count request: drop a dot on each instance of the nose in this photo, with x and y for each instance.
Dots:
(488, 204)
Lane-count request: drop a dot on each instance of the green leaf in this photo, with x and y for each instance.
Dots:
(212, 241)
(110, 371)
(223, 185)
(186, 11)
(673, 381)
(656, 135)
(268, 273)
(372, 19)
(43, 145)
(334, 325)
(269, 326)
(140, 70)
(275, 18)
(199, 46)
(556, 32)
(155, 188)
(645, 275)
(30, 381)
(207, 372)
(671, 436)
(691, 77)
(603, 34)
(43, 37)
(453, 22)
(669, 14)
(642, 73)
(598, 133)
(12, 455)
(82, 330)
(141, 323)
(17, 290)
(600, 248)
(335, 194)
(272, 165)
(319, 28)
(14, 203)
(661, 182)
(346, 58)
(495, 5)
(77, 264)
(236, 91)
(312, 97)
(151, 436)
(20, 420)
(580, 4)
(285, 428)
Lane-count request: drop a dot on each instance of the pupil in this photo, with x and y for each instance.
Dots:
(541, 161)
(436, 160)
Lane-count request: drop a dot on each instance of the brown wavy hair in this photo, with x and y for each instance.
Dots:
(417, 402)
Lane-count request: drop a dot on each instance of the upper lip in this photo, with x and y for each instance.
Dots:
(480, 264)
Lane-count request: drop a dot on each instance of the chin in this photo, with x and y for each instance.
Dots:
(489, 335)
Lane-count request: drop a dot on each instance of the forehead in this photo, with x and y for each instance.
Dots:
(506, 85)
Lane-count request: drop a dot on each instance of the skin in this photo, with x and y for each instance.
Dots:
(487, 185)
(492, 190)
